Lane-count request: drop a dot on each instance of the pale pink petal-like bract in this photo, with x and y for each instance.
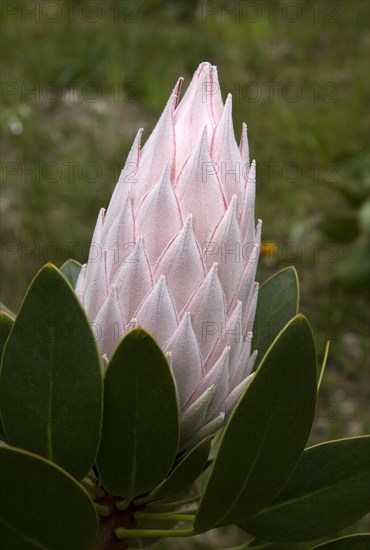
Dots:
(177, 250)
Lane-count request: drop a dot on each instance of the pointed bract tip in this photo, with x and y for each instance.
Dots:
(134, 323)
(162, 281)
(187, 316)
(212, 388)
(233, 202)
(204, 66)
(204, 136)
(188, 224)
(176, 92)
(101, 216)
(165, 178)
(139, 247)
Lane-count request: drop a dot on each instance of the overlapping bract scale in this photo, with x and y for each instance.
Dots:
(177, 251)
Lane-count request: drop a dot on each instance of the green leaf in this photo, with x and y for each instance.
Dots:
(51, 381)
(71, 270)
(42, 506)
(323, 364)
(266, 432)
(330, 488)
(353, 542)
(215, 444)
(190, 467)
(260, 545)
(140, 423)
(6, 323)
(278, 300)
(5, 309)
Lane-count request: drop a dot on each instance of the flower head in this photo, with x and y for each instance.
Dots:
(176, 253)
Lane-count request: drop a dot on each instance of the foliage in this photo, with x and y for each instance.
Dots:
(260, 476)
(54, 129)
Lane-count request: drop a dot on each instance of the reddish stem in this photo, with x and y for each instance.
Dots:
(106, 539)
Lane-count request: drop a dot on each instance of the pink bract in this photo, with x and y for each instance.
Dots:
(176, 252)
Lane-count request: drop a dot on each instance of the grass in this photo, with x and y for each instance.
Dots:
(76, 90)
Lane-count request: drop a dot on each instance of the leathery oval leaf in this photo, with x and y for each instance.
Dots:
(42, 506)
(185, 472)
(278, 302)
(6, 323)
(51, 386)
(5, 309)
(140, 431)
(361, 541)
(266, 432)
(71, 270)
(329, 487)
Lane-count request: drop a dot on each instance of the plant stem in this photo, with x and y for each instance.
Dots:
(123, 533)
(106, 539)
(144, 500)
(162, 517)
(103, 510)
(122, 505)
(172, 505)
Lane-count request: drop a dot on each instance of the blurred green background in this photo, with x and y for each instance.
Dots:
(79, 78)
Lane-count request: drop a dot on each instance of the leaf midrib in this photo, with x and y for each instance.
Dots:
(22, 536)
(305, 496)
(252, 469)
(49, 432)
(134, 442)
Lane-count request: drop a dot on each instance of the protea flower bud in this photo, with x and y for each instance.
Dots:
(176, 253)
